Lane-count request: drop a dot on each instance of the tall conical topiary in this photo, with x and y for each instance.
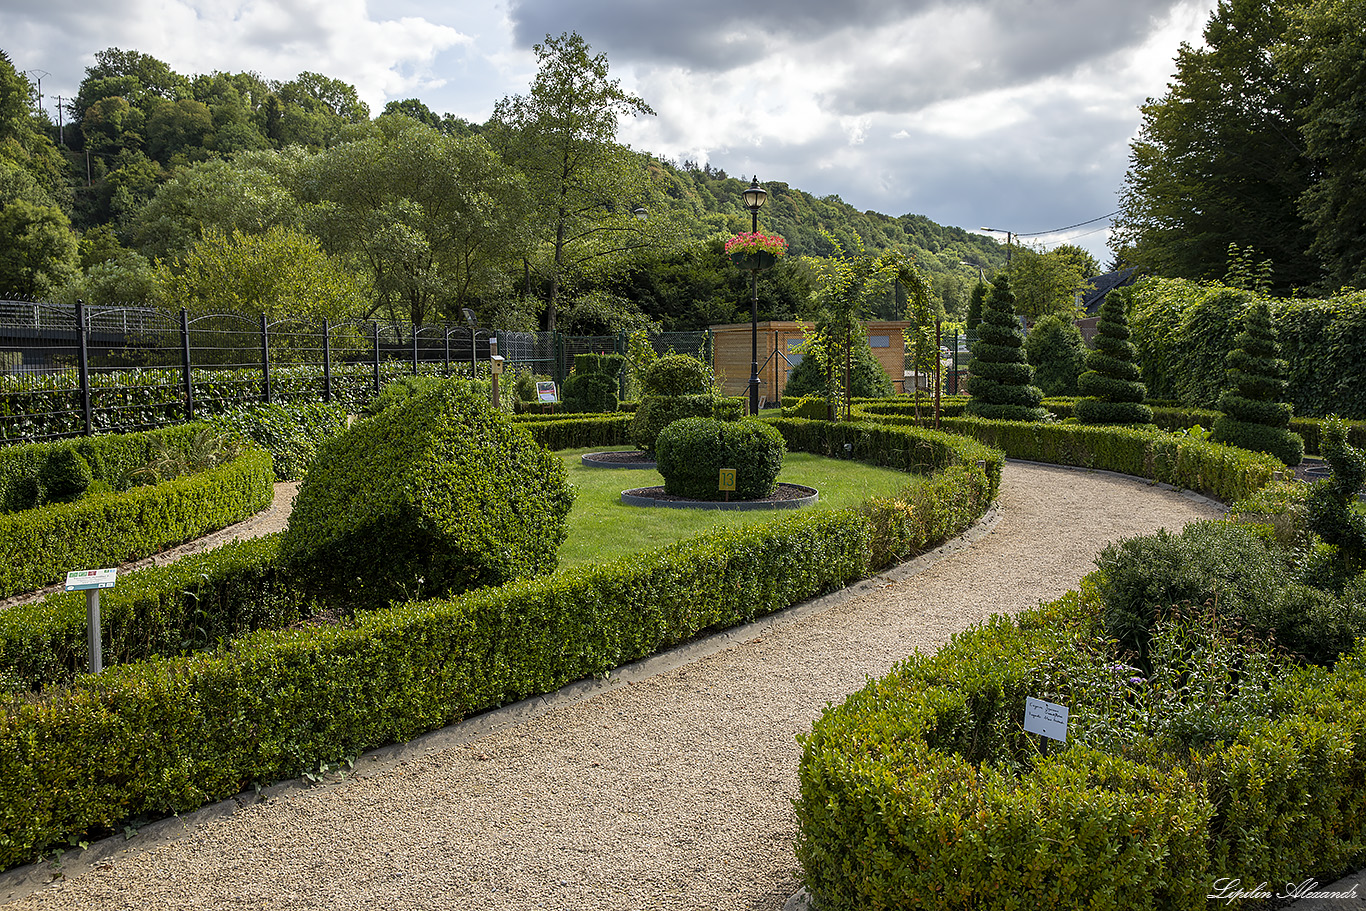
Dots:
(1254, 417)
(1113, 394)
(1000, 380)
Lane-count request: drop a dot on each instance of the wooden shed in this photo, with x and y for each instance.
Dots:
(778, 343)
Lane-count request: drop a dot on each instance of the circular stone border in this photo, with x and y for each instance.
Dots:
(595, 460)
(637, 496)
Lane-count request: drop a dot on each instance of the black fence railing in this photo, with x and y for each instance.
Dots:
(69, 371)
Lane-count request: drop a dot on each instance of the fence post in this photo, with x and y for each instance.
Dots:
(375, 325)
(185, 363)
(414, 349)
(446, 331)
(327, 360)
(265, 362)
(84, 366)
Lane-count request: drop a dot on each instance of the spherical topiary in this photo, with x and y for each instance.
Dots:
(1000, 380)
(677, 374)
(590, 392)
(435, 495)
(691, 453)
(1253, 415)
(64, 475)
(1113, 393)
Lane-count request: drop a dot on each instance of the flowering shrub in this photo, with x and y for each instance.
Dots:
(754, 242)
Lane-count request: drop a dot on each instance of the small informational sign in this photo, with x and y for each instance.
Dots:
(79, 580)
(727, 479)
(546, 392)
(1046, 718)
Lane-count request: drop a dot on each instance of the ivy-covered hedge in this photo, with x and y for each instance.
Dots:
(194, 603)
(39, 546)
(922, 790)
(169, 735)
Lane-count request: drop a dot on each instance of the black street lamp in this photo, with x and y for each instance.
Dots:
(755, 196)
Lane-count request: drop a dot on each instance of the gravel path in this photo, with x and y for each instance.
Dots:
(666, 790)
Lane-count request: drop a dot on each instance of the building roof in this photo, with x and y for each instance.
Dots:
(1101, 285)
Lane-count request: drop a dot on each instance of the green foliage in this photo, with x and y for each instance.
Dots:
(439, 494)
(809, 408)
(690, 454)
(554, 432)
(926, 514)
(867, 379)
(402, 390)
(1254, 416)
(1057, 353)
(64, 476)
(656, 412)
(195, 603)
(1113, 393)
(677, 374)
(39, 546)
(590, 392)
(1330, 504)
(1000, 380)
(1049, 283)
(291, 433)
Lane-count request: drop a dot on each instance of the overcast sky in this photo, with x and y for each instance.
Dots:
(1013, 114)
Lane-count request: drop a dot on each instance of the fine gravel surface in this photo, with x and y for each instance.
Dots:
(669, 789)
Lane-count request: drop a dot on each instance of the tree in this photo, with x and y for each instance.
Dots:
(979, 296)
(38, 251)
(561, 135)
(1218, 159)
(1113, 393)
(282, 273)
(1000, 380)
(1324, 47)
(1057, 353)
(433, 221)
(1045, 283)
(23, 141)
(1254, 417)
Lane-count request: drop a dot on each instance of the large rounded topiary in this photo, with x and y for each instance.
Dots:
(1254, 417)
(677, 386)
(1000, 380)
(691, 453)
(436, 495)
(1113, 393)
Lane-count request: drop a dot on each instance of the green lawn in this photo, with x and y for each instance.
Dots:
(602, 528)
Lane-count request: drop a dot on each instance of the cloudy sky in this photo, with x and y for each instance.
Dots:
(1014, 114)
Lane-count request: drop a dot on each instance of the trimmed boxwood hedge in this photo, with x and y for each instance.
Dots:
(691, 453)
(39, 546)
(555, 432)
(913, 795)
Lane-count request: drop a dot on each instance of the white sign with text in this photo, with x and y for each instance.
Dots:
(1045, 718)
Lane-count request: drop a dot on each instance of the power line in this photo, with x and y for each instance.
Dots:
(1069, 227)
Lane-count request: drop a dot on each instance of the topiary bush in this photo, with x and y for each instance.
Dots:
(1329, 505)
(594, 393)
(676, 374)
(64, 476)
(1113, 394)
(439, 494)
(690, 454)
(1000, 380)
(1254, 417)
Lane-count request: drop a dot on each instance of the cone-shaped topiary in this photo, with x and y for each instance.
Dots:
(1000, 380)
(1254, 417)
(1329, 505)
(1113, 393)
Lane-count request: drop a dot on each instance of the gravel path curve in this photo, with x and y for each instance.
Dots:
(669, 791)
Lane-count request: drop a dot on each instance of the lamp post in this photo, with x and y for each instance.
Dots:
(755, 196)
(1009, 236)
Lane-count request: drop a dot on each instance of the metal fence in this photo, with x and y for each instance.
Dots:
(73, 370)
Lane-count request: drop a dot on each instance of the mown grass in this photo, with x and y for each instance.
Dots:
(602, 528)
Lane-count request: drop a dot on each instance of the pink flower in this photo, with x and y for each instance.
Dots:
(754, 242)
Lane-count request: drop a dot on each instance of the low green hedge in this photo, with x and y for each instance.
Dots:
(556, 433)
(922, 790)
(161, 611)
(39, 546)
(169, 735)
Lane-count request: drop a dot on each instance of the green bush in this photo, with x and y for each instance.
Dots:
(590, 392)
(659, 411)
(1000, 380)
(677, 374)
(556, 432)
(64, 477)
(434, 495)
(1057, 353)
(1330, 505)
(867, 378)
(197, 602)
(809, 408)
(401, 390)
(291, 433)
(690, 454)
(39, 546)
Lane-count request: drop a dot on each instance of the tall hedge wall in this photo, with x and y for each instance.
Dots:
(1184, 331)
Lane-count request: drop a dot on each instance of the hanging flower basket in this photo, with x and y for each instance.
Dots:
(756, 251)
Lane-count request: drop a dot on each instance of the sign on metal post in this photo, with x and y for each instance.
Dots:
(727, 482)
(1047, 719)
(91, 581)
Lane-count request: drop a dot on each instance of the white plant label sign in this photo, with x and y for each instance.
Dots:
(1045, 718)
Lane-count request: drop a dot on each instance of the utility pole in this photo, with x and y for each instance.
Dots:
(38, 77)
(61, 132)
